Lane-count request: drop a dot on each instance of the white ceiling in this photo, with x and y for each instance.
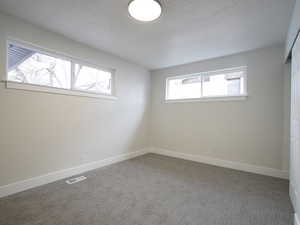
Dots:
(189, 30)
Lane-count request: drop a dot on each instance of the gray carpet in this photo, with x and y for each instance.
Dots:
(154, 190)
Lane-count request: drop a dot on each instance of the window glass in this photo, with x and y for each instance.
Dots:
(222, 84)
(31, 67)
(92, 80)
(184, 88)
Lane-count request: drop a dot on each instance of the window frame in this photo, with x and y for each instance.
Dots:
(208, 98)
(55, 90)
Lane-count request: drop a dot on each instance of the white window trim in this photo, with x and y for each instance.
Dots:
(54, 90)
(209, 98)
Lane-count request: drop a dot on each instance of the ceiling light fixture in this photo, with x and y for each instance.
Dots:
(145, 10)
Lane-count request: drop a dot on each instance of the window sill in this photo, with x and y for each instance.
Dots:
(209, 99)
(52, 90)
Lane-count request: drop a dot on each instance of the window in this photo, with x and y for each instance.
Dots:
(91, 79)
(214, 84)
(28, 66)
(31, 67)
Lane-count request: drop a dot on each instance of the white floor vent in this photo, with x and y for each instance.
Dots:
(75, 180)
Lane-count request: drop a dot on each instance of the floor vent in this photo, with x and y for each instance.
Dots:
(75, 180)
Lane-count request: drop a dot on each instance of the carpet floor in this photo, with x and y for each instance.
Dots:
(154, 190)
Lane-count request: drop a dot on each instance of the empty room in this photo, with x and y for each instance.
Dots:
(150, 112)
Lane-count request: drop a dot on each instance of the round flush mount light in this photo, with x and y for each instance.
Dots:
(145, 10)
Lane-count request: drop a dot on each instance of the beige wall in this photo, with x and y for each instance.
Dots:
(42, 133)
(250, 131)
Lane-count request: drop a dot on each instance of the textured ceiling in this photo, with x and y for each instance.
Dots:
(189, 30)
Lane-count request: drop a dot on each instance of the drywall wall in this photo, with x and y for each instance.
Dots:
(294, 28)
(286, 116)
(295, 131)
(42, 133)
(249, 131)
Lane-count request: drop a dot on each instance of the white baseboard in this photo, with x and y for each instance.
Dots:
(223, 163)
(62, 174)
(296, 219)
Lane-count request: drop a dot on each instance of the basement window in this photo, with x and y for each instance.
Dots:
(226, 84)
(33, 69)
(92, 80)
